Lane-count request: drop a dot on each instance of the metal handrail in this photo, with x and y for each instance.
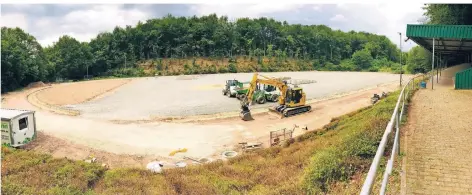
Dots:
(395, 119)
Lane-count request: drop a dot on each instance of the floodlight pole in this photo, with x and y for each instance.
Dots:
(401, 53)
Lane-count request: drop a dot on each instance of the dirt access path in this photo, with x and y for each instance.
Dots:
(439, 146)
(68, 93)
(322, 112)
(135, 144)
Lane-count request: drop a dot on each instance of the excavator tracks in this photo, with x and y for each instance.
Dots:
(295, 111)
(288, 112)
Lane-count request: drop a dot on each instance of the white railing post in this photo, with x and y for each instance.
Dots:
(397, 135)
(396, 118)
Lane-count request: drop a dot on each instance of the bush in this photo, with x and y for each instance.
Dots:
(223, 69)
(325, 167)
(188, 69)
(362, 59)
(373, 69)
(212, 69)
(304, 66)
(395, 68)
(347, 65)
(263, 67)
(126, 72)
(316, 64)
(330, 66)
(381, 62)
(158, 63)
(232, 68)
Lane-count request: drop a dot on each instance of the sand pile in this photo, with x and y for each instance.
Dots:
(36, 84)
(188, 77)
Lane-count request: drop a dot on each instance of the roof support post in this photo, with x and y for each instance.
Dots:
(442, 41)
(432, 67)
(437, 69)
(441, 63)
(462, 43)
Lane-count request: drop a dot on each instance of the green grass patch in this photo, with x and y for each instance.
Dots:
(25, 172)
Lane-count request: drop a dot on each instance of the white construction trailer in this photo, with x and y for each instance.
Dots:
(18, 127)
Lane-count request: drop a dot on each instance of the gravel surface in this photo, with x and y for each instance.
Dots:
(194, 95)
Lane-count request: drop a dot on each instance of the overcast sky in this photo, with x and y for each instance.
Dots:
(48, 22)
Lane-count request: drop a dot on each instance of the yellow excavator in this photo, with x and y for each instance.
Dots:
(291, 100)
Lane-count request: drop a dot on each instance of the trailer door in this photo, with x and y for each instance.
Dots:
(20, 129)
(6, 133)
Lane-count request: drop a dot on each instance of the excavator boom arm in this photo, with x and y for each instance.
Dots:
(268, 81)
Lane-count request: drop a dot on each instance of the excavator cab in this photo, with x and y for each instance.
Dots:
(294, 97)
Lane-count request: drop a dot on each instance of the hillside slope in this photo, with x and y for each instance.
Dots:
(314, 162)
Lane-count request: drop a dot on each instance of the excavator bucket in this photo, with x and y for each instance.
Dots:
(245, 113)
(246, 116)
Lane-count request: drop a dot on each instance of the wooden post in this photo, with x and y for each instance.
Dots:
(284, 134)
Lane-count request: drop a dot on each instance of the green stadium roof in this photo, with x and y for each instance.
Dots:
(450, 40)
(437, 31)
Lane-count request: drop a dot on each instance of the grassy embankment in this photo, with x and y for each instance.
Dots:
(333, 159)
(201, 65)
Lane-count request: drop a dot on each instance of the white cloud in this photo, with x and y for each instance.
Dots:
(243, 10)
(51, 39)
(104, 17)
(86, 21)
(85, 24)
(338, 18)
(386, 19)
(14, 20)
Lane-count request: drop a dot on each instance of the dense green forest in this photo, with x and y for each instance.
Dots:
(207, 44)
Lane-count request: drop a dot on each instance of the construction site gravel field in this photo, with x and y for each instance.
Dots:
(136, 101)
(201, 94)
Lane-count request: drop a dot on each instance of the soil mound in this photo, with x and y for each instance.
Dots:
(36, 84)
(188, 77)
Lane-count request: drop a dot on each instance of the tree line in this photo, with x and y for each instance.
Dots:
(269, 44)
(187, 37)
